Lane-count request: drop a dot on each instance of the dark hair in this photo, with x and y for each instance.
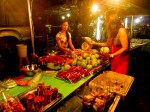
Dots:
(113, 23)
(67, 34)
(63, 21)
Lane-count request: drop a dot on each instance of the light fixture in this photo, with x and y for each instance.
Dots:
(95, 8)
(68, 15)
(63, 17)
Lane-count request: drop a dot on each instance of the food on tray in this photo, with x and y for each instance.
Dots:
(96, 101)
(39, 98)
(11, 103)
(73, 74)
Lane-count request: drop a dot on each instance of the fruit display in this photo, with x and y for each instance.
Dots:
(97, 101)
(87, 60)
(73, 74)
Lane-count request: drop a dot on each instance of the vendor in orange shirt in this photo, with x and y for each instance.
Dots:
(64, 39)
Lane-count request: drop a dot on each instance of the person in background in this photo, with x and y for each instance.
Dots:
(64, 39)
(118, 42)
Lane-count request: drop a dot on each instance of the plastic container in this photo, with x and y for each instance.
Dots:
(22, 50)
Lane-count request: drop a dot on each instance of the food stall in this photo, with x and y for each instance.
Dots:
(53, 75)
(65, 88)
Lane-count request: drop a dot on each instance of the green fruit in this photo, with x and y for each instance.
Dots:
(94, 63)
(85, 61)
(93, 56)
(94, 51)
(88, 58)
(78, 63)
(89, 66)
(67, 67)
(85, 55)
(80, 58)
(89, 61)
(83, 64)
(96, 56)
(98, 61)
(74, 62)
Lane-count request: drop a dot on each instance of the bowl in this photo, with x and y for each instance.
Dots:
(30, 70)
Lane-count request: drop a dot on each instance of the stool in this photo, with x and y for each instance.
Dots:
(20, 61)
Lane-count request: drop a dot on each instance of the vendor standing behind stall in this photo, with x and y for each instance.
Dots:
(63, 39)
(117, 41)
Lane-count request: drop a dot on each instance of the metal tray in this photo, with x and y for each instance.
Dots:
(34, 90)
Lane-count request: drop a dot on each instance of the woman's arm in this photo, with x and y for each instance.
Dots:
(124, 41)
(71, 44)
(101, 44)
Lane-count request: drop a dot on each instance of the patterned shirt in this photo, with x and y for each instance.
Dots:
(63, 39)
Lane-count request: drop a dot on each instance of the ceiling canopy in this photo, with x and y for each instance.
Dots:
(125, 7)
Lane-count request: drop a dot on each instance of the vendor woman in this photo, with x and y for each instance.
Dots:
(64, 39)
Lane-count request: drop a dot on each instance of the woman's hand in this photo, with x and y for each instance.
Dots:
(111, 55)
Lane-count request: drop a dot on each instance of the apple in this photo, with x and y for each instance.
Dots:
(80, 58)
(98, 61)
(97, 56)
(74, 62)
(85, 55)
(89, 61)
(89, 66)
(83, 64)
(66, 67)
(87, 58)
(78, 63)
(85, 61)
(94, 51)
(93, 56)
(94, 63)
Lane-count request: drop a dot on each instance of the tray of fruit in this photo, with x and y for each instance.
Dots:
(39, 99)
(73, 74)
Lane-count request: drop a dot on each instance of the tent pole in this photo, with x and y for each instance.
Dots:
(31, 28)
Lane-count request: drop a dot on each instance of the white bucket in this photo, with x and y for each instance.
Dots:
(22, 50)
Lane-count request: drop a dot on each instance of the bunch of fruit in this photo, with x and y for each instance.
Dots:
(87, 60)
(73, 74)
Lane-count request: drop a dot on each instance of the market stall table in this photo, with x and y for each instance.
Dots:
(64, 87)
